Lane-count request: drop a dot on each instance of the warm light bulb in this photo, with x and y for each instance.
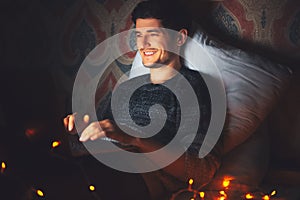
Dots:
(222, 193)
(92, 188)
(273, 192)
(221, 198)
(249, 196)
(266, 197)
(40, 193)
(202, 194)
(191, 181)
(226, 183)
(3, 165)
(55, 144)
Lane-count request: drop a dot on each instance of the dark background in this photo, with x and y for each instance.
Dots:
(37, 72)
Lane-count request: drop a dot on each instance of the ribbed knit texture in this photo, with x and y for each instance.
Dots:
(201, 170)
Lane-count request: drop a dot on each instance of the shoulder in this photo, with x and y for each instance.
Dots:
(194, 77)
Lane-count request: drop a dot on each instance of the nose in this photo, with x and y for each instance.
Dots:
(144, 42)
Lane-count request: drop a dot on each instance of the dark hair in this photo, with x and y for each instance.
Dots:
(171, 13)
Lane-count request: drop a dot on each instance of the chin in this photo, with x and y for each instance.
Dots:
(154, 65)
(150, 65)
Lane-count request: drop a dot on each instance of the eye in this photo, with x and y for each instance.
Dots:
(138, 35)
(154, 34)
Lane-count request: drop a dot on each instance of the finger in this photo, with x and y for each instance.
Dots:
(86, 119)
(91, 136)
(66, 119)
(92, 131)
(98, 135)
(71, 123)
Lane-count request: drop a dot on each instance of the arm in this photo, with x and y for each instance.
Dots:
(187, 166)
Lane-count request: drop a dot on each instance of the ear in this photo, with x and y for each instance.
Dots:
(181, 37)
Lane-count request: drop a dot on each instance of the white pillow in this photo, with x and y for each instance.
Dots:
(253, 84)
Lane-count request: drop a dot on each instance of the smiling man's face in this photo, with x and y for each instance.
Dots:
(154, 43)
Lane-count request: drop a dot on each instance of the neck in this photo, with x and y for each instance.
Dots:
(162, 74)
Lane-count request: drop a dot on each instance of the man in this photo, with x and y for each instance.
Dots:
(160, 50)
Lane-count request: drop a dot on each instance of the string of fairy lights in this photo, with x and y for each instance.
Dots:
(192, 194)
(187, 193)
(36, 193)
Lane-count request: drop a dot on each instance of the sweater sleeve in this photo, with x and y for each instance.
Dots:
(104, 108)
(201, 170)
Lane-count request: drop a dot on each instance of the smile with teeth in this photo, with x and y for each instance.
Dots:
(149, 53)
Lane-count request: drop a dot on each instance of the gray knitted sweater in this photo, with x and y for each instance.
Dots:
(201, 170)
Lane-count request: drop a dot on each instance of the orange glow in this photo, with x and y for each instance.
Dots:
(192, 198)
(55, 144)
(226, 183)
(3, 165)
(249, 196)
(40, 193)
(92, 188)
(273, 192)
(224, 195)
(191, 181)
(30, 132)
(266, 197)
(202, 194)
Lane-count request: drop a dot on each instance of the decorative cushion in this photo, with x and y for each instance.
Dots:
(253, 84)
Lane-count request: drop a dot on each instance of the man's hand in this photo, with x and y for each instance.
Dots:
(105, 128)
(69, 123)
(95, 130)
